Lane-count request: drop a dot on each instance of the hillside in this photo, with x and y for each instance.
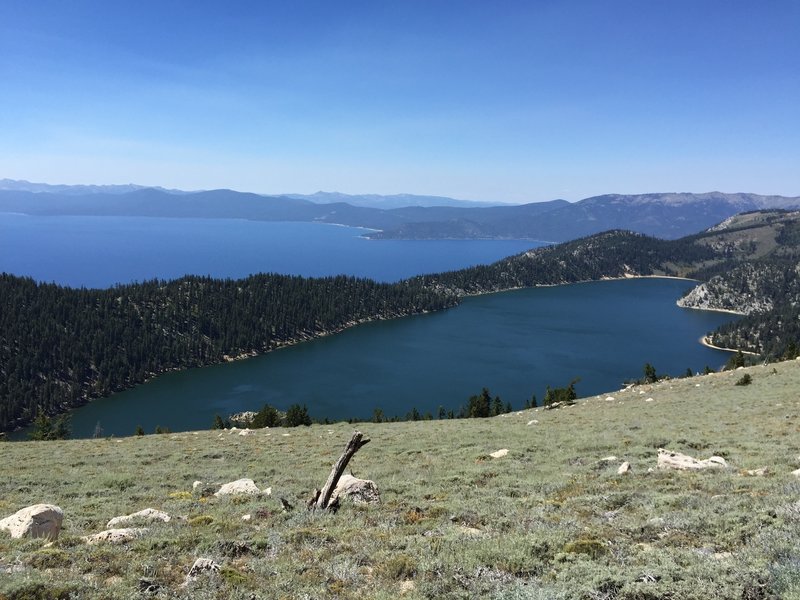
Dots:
(551, 519)
(760, 280)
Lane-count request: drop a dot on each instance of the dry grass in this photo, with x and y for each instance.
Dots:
(546, 521)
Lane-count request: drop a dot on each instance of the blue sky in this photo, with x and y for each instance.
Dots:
(510, 101)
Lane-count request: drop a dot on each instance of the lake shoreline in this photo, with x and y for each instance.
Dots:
(306, 336)
(705, 341)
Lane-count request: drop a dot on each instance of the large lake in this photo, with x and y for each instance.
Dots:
(103, 251)
(515, 343)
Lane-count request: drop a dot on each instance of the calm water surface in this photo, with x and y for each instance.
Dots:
(516, 343)
(103, 251)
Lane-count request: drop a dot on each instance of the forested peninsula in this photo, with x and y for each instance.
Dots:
(61, 347)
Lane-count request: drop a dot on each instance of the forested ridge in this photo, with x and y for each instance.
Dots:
(60, 347)
(612, 254)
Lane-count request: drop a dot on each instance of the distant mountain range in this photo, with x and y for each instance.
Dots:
(20, 185)
(664, 215)
(388, 202)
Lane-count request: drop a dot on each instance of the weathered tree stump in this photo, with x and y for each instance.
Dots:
(321, 499)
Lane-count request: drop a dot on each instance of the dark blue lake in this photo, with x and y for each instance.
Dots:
(515, 343)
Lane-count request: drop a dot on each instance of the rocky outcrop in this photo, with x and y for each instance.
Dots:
(240, 486)
(684, 462)
(36, 521)
(242, 419)
(202, 566)
(713, 296)
(360, 491)
(746, 289)
(148, 515)
(116, 536)
(624, 468)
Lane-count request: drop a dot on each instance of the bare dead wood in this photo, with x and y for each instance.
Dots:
(321, 500)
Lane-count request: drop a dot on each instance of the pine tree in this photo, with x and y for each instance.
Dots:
(297, 415)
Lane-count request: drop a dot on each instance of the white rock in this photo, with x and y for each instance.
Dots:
(36, 521)
(196, 485)
(406, 587)
(360, 491)
(606, 459)
(795, 473)
(648, 399)
(624, 468)
(533, 422)
(610, 399)
(240, 486)
(466, 530)
(499, 453)
(676, 460)
(116, 536)
(757, 472)
(246, 517)
(147, 515)
(202, 566)
(246, 432)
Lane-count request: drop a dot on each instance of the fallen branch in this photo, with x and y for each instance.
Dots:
(321, 499)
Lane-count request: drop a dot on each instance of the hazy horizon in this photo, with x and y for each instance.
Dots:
(378, 194)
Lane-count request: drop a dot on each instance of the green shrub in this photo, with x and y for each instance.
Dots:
(400, 566)
(591, 546)
(50, 558)
(39, 591)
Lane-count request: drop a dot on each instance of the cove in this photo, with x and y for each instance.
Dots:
(515, 343)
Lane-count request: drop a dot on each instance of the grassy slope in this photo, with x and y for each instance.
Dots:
(546, 521)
